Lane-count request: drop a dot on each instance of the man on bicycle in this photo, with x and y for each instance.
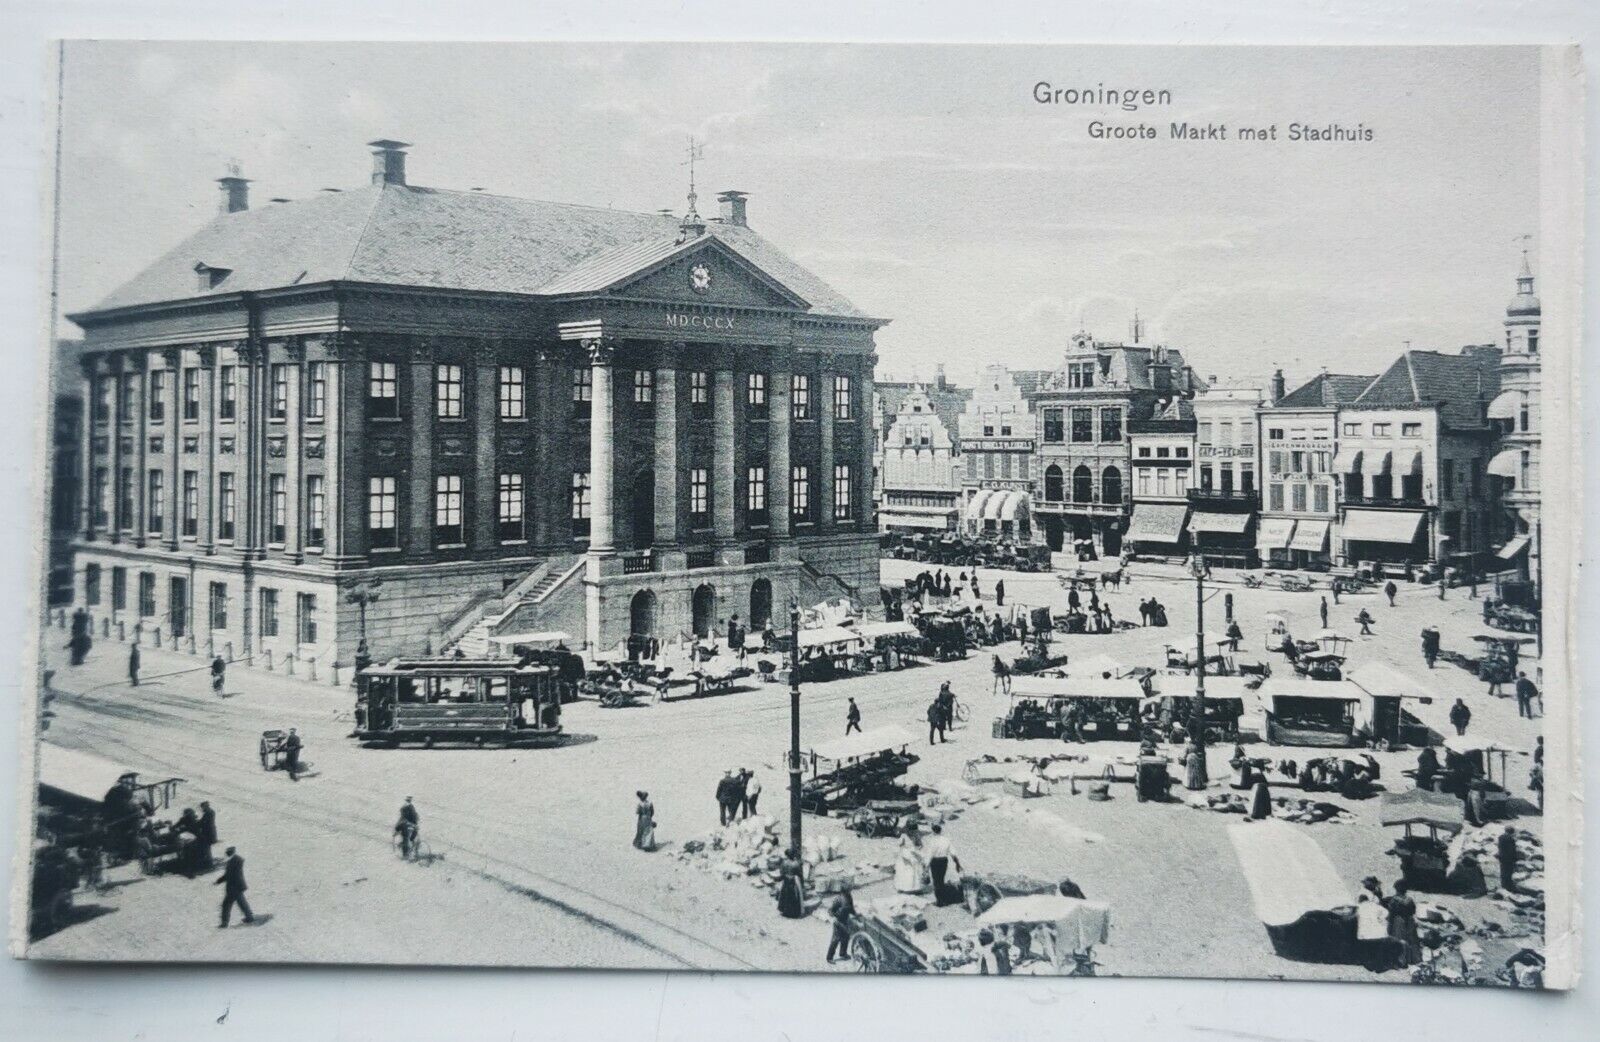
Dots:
(406, 827)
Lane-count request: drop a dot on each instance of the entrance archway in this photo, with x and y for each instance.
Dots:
(642, 614)
(760, 604)
(704, 610)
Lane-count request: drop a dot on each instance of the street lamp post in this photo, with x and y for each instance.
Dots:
(794, 727)
(1197, 718)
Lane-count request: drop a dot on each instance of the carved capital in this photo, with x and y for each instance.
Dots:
(294, 349)
(172, 357)
(602, 350)
(419, 349)
(208, 355)
(343, 346)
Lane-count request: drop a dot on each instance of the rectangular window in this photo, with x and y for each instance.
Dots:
(1225, 432)
(447, 392)
(1204, 428)
(1182, 452)
(91, 585)
(800, 391)
(513, 392)
(580, 502)
(156, 510)
(988, 464)
(1247, 478)
(125, 385)
(800, 492)
(227, 507)
(126, 490)
(843, 399)
(512, 507)
(383, 503)
(278, 509)
(755, 494)
(219, 606)
(1180, 482)
(147, 594)
(102, 399)
(1274, 433)
(1352, 430)
(1083, 424)
(191, 503)
(280, 392)
(1161, 481)
(102, 497)
(1144, 452)
(228, 392)
(316, 512)
(841, 492)
(755, 394)
(1275, 497)
(1144, 482)
(191, 395)
(699, 495)
(1319, 498)
(1297, 497)
(269, 611)
(1206, 477)
(699, 389)
(1052, 426)
(1005, 464)
(316, 390)
(1163, 452)
(644, 386)
(582, 391)
(305, 618)
(1381, 430)
(1411, 430)
(447, 509)
(383, 391)
(158, 396)
(1110, 424)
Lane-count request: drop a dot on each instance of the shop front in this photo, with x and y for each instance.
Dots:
(1273, 536)
(1384, 536)
(1309, 546)
(1158, 530)
(1226, 540)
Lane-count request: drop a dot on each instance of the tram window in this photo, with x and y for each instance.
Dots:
(494, 689)
(408, 690)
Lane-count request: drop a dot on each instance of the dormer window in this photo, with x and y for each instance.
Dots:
(209, 278)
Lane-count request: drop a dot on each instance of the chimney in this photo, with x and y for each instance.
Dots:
(938, 371)
(235, 193)
(1279, 388)
(388, 161)
(733, 207)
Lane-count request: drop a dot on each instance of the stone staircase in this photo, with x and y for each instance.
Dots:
(470, 635)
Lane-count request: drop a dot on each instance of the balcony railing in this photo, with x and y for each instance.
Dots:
(1407, 502)
(1233, 497)
(641, 561)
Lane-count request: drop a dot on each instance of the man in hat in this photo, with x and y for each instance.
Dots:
(133, 665)
(291, 754)
(852, 718)
(232, 882)
(1460, 716)
(1526, 693)
(1506, 853)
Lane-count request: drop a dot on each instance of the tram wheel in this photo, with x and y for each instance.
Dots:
(865, 954)
(478, 742)
(427, 741)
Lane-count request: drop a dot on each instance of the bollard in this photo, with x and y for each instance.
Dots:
(267, 654)
(138, 632)
(311, 670)
(122, 631)
(193, 648)
(228, 651)
(105, 627)
(334, 669)
(157, 638)
(288, 663)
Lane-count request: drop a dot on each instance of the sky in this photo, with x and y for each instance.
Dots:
(922, 182)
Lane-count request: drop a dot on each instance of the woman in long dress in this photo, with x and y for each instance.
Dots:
(1403, 924)
(791, 898)
(910, 870)
(644, 832)
(1261, 801)
(1194, 762)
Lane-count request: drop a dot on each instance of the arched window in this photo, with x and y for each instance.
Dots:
(1111, 485)
(1052, 484)
(1082, 485)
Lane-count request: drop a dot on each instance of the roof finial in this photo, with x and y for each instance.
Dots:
(691, 220)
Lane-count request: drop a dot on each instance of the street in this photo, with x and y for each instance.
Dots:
(534, 864)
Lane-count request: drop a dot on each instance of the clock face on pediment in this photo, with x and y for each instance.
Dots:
(700, 278)
(706, 276)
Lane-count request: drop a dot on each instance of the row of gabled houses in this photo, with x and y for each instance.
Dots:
(1123, 448)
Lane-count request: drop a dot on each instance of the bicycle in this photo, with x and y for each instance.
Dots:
(414, 850)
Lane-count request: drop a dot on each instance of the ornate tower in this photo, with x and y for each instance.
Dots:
(1518, 407)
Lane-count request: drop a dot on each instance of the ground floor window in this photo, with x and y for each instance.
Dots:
(269, 612)
(219, 606)
(841, 491)
(511, 507)
(119, 588)
(147, 595)
(383, 507)
(305, 615)
(91, 585)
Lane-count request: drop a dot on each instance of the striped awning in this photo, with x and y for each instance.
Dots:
(1507, 463)
(1310, 536)
(1381, 526)
(1380, 463)
(1274, 533)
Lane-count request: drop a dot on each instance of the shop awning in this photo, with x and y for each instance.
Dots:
(1274, 533)
(77, 773)
(976, 505)
(1512, 548)
(1348, 461)
(1408, 461)
(929, 521)
(1310, 536)
(1507, 463)
(1381, 526)
(1157, 522)
(1506, 405)
(1223, 524)
(1005, 506)
(1380, 463)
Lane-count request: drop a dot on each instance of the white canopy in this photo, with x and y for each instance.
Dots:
(1031, 908)
(1380, 678)
(1094, 666)
(77, 773)
(1295, 687)
(863, 743)
(874, 630)
(1274, 533)
(1310, 536)
(1513, 547)
(1381, 526)
(1181, 685)
(1507, 463)
(825, 635)
(1287, 872)
(1506, 405)
(979, 503)
(1074, 687)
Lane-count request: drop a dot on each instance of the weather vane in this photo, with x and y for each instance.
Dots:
(697, 150)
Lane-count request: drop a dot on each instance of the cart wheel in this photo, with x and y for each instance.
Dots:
(865, 954)
(963, 714)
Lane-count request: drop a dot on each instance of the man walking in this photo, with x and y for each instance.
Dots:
(1506, 853)
(1365, 619)
(233, 888)
(1389, 590)
(1000, 593)
(935, 720)
(852, 718)
(752, 793)
(1460, 717)
(291, 755)
(725, 798)
(218, 669)
(1526, 693)
(1441, 586)
(133, 665)
(840, 913)
(1322, 609)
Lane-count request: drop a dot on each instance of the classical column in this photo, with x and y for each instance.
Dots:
(114, 455)
(723, 486)
(141, 438)
(666, 443)
(825, 460)
(249, 532)
(419, 539)
(485, 404)
(86, 463)
(549, 480)
(344, 453)
(861, 416)
(601, 442)
(207, 456)
(171, 441)
(778, 421)
(293, 450)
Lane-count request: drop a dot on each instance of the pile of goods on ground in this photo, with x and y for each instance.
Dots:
(1525, 905)
(1288, 808)
(751, 849)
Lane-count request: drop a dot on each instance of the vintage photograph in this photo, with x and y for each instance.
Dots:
(915, 509)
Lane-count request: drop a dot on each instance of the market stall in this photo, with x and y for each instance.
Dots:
(1072, 709)
(1320, 713)
(1297, 894)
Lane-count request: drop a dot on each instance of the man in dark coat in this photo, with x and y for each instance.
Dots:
(1389, 590)
(133, 665)
(1526, 693)
(1505, 852)
(1000, 592)
(726, 800)
(233, 888)
(1460, 716)
(207, 836)
(219, 669)
(1427, 767)
(935, 720)
(1322, 608)
(291, 754)
(852, 718)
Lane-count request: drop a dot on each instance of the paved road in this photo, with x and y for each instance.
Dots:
(537, 867)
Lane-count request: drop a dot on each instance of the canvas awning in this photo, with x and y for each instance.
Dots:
(1381, 679)
(77, 773)
(1512, 548)
(1287, 872)
(1348, 461)
(1506, 405)
(1074, 687)
(863, 743)
(1380, 463)
(1310, 536)
(977, 504)
(1422, 807)
(934, 522)
(874, 630)
(1157, 522)
(1004, 506)
(1507, 463)
(1275, 533)
(1222, 524)
(822, 636)
(1381, 526)
(1408, 461)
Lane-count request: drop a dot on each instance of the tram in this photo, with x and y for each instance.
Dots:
(474, 701)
